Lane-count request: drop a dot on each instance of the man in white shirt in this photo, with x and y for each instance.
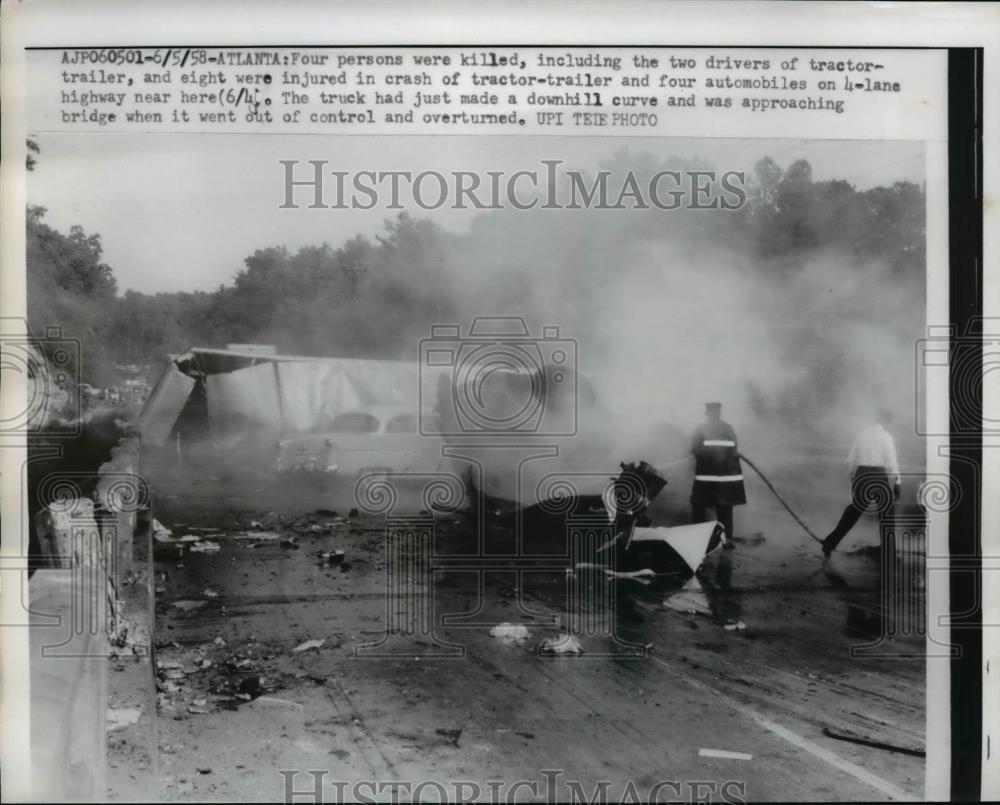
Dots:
(875, 480)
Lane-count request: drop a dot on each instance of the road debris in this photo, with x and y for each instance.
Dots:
(239, 663)
(510, 633)
(643, 576)
(119, 717)
(856, 739)
(271, 701)
(690, 600)
(563, 644)
(259, 536)
(309, 644)
(632, 574)
(331, 557)
(170, 669)
(250, 688)
(188, 606)
(725, 754)
(161, 533)
(452, 736)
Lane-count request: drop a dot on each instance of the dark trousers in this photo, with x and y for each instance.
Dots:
(723, 513)
(870, 490)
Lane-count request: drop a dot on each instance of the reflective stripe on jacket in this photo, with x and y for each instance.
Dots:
(715, 453)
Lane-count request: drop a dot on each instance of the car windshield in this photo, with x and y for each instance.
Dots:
(354, 423)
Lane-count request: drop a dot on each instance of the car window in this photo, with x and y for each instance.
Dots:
(354, 423)
(407, 423)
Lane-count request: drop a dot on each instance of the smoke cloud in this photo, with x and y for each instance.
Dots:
(671, 310)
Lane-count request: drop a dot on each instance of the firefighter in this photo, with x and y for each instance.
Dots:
(718, 477)
(875, 480)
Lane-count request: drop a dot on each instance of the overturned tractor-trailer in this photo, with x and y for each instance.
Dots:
(516, 433)
(528, 442)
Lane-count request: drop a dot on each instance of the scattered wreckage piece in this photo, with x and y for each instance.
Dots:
(161, 533)
(335, 557)
(510, 634)
(564, 644)
(856, 739)
(120, 717)
(188, 606)
(725, 754)
(309, 644)
(259, 536)
(692, 543)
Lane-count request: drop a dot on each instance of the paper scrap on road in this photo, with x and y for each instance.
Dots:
(724, 753)
(509, 633)
(119, 717)
(309, 644)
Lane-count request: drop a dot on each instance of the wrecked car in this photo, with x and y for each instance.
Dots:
(375, 439)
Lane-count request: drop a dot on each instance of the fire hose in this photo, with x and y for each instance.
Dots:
(781, 500)
(769, 485)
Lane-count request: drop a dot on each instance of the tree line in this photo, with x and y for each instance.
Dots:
(374, 298)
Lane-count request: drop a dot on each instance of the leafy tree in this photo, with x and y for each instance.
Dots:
(30, 160)
(375, 299)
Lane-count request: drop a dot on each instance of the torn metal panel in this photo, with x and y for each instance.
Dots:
(165, 403)
(690, 542)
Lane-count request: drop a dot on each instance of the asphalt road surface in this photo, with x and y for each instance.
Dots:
(654, 708)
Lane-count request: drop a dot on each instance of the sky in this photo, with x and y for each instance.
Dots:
(181, 212)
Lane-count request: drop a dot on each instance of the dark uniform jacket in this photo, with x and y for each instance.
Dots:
(718, 477)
